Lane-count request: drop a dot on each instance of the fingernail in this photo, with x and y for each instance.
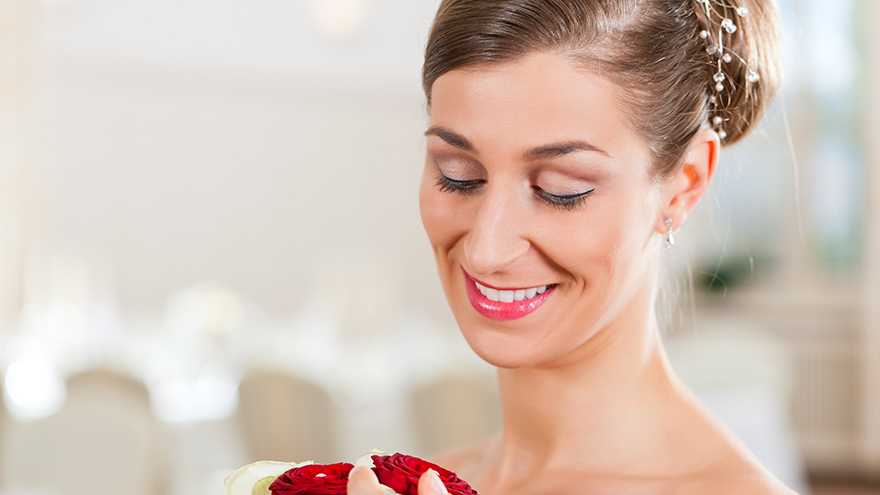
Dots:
(436, 484)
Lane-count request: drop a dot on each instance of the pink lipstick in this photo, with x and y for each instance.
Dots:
(504, 309)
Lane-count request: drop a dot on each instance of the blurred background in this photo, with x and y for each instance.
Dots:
(210, 249)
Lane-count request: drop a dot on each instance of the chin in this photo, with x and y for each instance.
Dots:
(509, 345)
(500, 357)
(501, 354)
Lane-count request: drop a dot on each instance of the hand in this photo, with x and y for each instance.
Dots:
(362, 481)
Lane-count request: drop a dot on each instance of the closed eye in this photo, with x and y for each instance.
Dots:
(566, 202)
(453, 185)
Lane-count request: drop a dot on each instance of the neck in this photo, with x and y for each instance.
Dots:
(595, 406)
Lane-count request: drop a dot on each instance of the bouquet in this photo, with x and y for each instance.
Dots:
(399, 472)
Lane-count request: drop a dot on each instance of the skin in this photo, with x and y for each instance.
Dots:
(590, 402)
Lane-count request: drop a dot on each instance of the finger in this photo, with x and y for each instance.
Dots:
(430, 484)
(362, 481)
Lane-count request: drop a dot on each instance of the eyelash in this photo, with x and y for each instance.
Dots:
(463, 186)
(568, 202)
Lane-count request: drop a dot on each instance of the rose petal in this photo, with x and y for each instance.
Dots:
(315, 479)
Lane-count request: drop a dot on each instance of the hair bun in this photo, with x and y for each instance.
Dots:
(742, 40)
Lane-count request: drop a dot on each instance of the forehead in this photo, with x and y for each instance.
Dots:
(529, 102)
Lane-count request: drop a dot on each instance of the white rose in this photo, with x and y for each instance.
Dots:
(244, 481)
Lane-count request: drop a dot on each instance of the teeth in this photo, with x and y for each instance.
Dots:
(508, 296)
(492, 294)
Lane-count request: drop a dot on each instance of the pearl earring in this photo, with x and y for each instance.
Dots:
(670, 241)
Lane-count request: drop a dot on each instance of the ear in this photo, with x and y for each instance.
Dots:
(691, 180)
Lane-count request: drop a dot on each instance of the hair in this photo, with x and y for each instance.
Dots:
(651, 49)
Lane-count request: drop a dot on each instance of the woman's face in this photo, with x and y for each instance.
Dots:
(541, 208)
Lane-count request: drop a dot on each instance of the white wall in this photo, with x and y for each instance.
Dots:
(231, 140)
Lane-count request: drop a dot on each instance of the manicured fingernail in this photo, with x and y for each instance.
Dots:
(436, 484)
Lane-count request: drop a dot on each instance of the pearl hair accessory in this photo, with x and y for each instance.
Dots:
(715, 11)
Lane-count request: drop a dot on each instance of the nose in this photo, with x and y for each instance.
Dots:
(496, 238)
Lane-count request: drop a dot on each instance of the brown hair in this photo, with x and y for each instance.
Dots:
(652, 49)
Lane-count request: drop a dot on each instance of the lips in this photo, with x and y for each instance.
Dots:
(505, 304)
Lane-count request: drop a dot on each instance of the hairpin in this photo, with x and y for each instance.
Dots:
(715, 18)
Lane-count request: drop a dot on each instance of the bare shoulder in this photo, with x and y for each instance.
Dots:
(720, 462)
(765, 486)
(744, 478)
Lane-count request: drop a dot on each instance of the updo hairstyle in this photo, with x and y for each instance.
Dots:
(652, 49)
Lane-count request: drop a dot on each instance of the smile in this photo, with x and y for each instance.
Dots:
(505, 304)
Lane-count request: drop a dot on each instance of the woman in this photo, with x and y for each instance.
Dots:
(568, 140)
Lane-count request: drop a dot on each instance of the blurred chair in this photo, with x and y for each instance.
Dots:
(104, 440)
(286, 418)
(455, 411)
(123, 387)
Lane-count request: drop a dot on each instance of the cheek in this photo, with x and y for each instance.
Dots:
(626, 235)
(443, 217)
(603, 241)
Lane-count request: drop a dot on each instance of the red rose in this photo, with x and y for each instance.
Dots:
(314, 479)
(402, 472)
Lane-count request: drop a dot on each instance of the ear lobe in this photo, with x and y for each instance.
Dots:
(691, 180)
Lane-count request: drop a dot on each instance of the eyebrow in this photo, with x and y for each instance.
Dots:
(560, 149)
(541, 152)
(452, 138)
